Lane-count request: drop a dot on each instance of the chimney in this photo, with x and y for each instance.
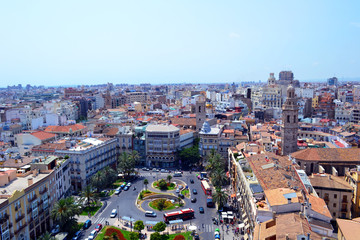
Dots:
(30, 181)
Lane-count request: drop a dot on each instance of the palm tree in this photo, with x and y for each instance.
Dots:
(98, 180)
(110, 175)
(135, 157)
(46, 236)
(89, 196)
(146, 182)
(169, 177)
(218, 177)
(220, 197)
(214, 161)
(64, 211)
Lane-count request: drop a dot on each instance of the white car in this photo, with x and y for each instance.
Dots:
(113, 213)
(128, 185)
(92, 234)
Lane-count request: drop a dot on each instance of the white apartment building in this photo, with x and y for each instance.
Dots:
(87, 156)
(162, 142)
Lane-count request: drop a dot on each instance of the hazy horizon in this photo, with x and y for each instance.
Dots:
(158, 42)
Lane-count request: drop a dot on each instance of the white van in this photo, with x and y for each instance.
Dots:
(150, 214)
(113, 213)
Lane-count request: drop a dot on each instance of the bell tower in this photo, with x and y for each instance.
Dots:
(271, 79)
(289, 129)
(200, 112)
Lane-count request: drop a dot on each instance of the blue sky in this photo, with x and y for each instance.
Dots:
(92, 42)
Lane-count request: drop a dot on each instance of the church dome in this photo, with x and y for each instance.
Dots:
(205, 128)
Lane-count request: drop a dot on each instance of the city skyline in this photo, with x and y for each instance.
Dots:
(157, 42)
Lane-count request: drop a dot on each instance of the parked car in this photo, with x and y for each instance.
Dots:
(145, 169)
(126, 188)
(193, 200)
(98, 227)
(93, 234)
(128, 184)
(194, 191)
(163, 170)
(123, 185)
(118, 191)
(191, 181)
(150, 214)
(201, 210)
(181, 195)
(55, 230)
(77, 235)
(113, 213)
(177, 190)
(87, 224)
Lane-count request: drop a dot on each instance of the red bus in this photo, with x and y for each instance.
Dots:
(183, 214)
(205, 186)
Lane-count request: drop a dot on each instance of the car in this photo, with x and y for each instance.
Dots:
(181, 187)
(113, 213)
(93, 234)
(181, 195)
(150, 214)
(128, 184)
(193, 200)
(87, 224)
(77, 235)
(118, 191)
(123, 185)
(177, 190)
(201, 210)
(145, 169)
(126, 188)
(55, 230)
(163, 170)
(98, 227)
(156, 170)
(191, 181)
(194, 191)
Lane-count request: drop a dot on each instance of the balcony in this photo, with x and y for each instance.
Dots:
(32, 199)
(43, 191)
(19, 218)
(20, 229)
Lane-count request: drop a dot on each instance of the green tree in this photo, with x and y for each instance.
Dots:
(189, 156)
(135, 157)
(98, 180)
(218, 177)
(139, 225)
(220, 197)
(163, 184)
(155, 236)
(134, 235)
(161, 204)
(89, 196)
(214, 161)
(64, 212)
(126, 164)
(66, 157)
(110, 176)
(169, 177)
(159, 227)
(146, 182)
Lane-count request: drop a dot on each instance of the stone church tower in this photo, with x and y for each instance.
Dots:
(200, 112)
(289, 129)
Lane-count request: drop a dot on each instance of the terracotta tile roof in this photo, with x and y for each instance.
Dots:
(65, 129)
(328, 154)
(274, 171)
(349, 228)
(328, 181)
(231, 131)
(184, 121)
(276, 196)
(43, 135)
(17, 163)
(318, 205)
(112, 131)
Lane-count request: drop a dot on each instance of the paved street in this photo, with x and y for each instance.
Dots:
(125, 204)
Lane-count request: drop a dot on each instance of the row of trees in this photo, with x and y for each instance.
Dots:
(190, 157)
(216, 166)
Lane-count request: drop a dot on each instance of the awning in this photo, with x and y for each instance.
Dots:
(241, 225)
(128, 219)
(233, 195)
(244, 215)
(176, 221)
(247, 226)
(26, 167)
(238, 194)
(246, 237)
(151, 223)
